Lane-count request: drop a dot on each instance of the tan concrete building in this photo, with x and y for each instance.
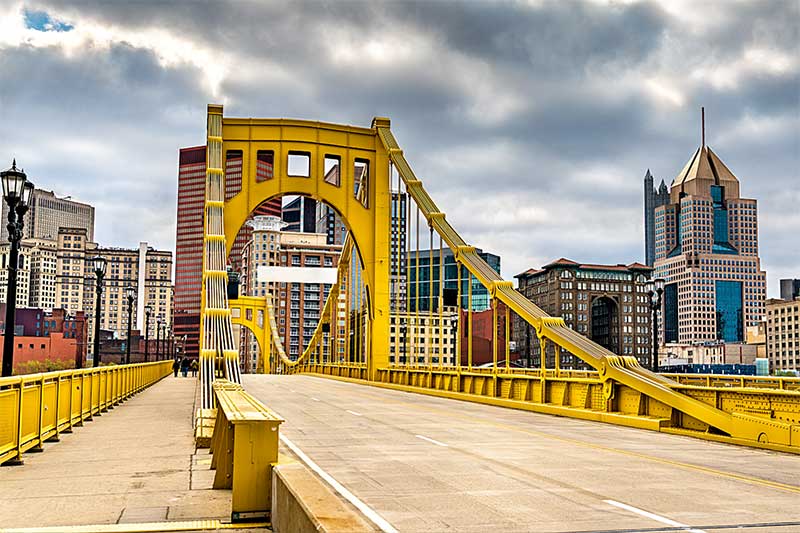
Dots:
(607, 303)
(423, 338)
(783, 334)
(47, 213)
(23, 273)
(43, 272)
(146, 269)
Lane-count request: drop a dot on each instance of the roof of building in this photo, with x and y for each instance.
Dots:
(529, 272)
(568, 263)
(704, 164)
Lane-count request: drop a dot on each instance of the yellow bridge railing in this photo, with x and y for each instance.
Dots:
(244, 447)
(38, 407)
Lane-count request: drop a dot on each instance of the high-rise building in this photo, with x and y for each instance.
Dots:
(429, 285)
(330, 223)
(23, 273)
(297, 305)
(790, 289)
(48, 212)
(147, 270)
(707, 251)
(300, 215)
(189, 232)
(783, 333)
(43, 272)
(189, 246)
(607, 303)
(652, 199)
(302, 303)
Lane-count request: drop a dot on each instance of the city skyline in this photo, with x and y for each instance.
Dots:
(589, 110)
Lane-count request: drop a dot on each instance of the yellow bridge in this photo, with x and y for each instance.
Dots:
(372, 301)
(282, 441)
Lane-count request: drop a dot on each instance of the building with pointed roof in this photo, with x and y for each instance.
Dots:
(706, 248)
(652, 199)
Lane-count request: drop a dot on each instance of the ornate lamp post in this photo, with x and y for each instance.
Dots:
(99, 266)
(158, 338)
(147, 311)
(655, 289)
(130, 295)
(17, 191)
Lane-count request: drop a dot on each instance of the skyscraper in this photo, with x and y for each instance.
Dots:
(652, 199)
(790, 289)
(189, 238)
(189, 246)
(706, 241)
(48, 212)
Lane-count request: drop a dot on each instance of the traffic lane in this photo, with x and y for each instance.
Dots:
(518, 473)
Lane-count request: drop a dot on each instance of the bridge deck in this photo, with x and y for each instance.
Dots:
(430, 464)
(134, 464)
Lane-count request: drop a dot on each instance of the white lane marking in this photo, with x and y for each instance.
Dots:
(315, 399)
(436, 442)
(353, 413)
(369, 512)
(652, 516)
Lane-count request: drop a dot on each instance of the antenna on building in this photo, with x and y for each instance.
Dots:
(703, 125)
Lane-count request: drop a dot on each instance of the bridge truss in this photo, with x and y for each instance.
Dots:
(392, 320)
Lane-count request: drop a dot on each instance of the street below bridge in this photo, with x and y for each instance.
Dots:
(430, 464)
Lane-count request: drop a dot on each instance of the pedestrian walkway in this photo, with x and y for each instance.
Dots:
(134, 464)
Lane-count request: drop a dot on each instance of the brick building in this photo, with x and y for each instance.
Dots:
(606, 303)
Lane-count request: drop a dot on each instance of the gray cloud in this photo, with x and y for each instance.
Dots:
(547, 115)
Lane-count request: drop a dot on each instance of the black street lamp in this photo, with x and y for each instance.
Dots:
(158, 338)
(130, 294)
(655, 289)
(99, 266)
(17, 191)
(147, 311)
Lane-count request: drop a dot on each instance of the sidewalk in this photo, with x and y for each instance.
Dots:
(133, 464)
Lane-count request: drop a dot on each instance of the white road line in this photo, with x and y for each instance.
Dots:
(353, 413)
(369, 512)
(436, 442)
(652, 516)
(315, 399)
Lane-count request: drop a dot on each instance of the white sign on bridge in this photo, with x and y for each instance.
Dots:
(267, 274)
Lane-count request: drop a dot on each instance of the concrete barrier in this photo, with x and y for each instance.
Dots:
(302, 503)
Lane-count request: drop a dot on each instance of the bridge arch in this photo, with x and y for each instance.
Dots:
(282, 157)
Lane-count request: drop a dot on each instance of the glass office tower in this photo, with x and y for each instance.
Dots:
(707, 251)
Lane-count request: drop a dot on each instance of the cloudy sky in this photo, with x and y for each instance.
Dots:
(531, 123)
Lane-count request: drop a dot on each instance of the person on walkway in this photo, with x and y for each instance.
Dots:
(175, 366)
(185, 366)
(194, 366)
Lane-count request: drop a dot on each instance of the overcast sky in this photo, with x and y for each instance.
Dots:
(531, 123)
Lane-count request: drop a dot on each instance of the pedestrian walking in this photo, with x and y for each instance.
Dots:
(185, 366)
(194, 366)
(175, 366)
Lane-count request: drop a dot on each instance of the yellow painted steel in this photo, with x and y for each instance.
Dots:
(244, 447)
(39, 407)
(619, 389)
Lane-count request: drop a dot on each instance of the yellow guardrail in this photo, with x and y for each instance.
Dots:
(35, 408)
(244, 447)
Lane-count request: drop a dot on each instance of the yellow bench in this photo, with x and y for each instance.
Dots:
(245, 448)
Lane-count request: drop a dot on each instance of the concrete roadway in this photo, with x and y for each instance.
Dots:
(431, 464)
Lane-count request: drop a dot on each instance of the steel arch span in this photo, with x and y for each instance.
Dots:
(390, 321)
